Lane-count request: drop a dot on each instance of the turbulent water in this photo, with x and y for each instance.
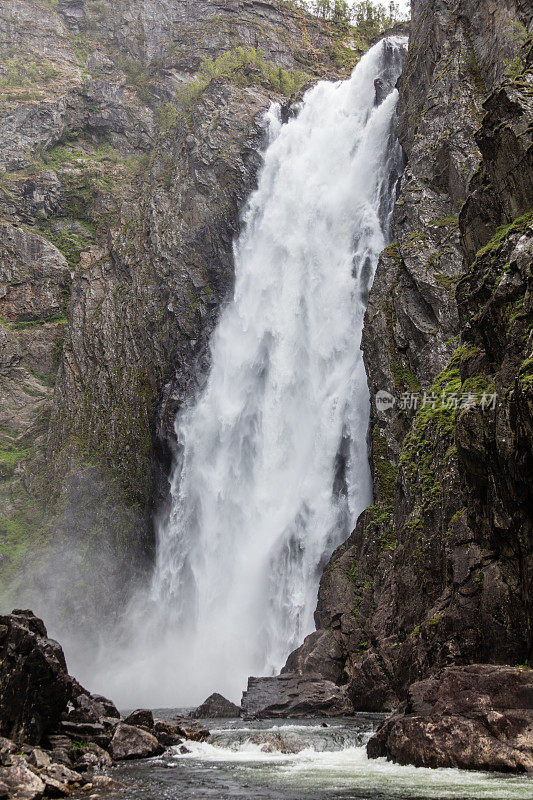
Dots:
(272, 470)
(234, 763)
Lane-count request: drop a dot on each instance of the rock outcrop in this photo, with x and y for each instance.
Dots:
(54, 735)
(474, 717)
(216, 706)
(292, 696)
(126, 155)
(438, 570)
(35, 686)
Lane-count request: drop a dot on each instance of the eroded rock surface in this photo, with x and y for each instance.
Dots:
(475, 717)
(438, 570)
(131, 742)
(216, 706)
(125, 160)
(292, 696)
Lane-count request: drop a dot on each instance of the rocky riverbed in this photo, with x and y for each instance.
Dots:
(57, 738)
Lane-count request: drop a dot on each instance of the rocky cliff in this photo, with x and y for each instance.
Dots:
(129, 140)
(439, 570)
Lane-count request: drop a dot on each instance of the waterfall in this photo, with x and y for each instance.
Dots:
(272, 466)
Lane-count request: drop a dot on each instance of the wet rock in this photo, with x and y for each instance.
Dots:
(474, 717)
(216, 706)
(278, 743)
(91, 756)
(59, 779)
(18, 782)
(130, 742)
(290, 695)
(168, 733)
(190, 729)
(103, 784)
(109, 708)
(39, 758)
(35, 686)
(184, 750)
(142, 717)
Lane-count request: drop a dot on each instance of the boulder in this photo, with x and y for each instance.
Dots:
(110, 709)
(59, 780)
(183, 728)
(141, 717)
(216, 706)
(168, 732)
(131, 742)
(91, 756)
(18, 782)
(194, 731)
(35, 686)
(470, 717)
(102, 784)
(292, 695)
(278, 743)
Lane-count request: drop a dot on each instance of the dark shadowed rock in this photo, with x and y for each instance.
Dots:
(130, 742)
(35, 686)
(216, 706)
(474, 717)
(168, 733)
(142, 717)
(109, 709)
(91, 757)
(189, 729)
(290, 695)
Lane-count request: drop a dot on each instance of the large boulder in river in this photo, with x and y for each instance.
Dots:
(291, 695)
(131, 742)
(142, 717)
(35, 686)
(471, 717)
(216, 706)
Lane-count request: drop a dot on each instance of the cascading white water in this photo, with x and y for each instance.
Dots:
(273, 470)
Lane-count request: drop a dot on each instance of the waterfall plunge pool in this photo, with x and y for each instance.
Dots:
(233, 765)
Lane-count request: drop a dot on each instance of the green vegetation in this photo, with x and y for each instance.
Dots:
(384, 470)
(447, 222)
(72, 240)
(244, 66)
(30, 323)
(518, 225)
(25, 71)
(433, 430)
(9, 458)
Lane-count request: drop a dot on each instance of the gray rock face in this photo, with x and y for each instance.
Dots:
(476, 717)
(216, 706)
(290, 695)
(115, 157)
(131, 742)
(434, 571)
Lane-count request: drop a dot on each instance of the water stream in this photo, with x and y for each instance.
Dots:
(272, 470)
(333, 764)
